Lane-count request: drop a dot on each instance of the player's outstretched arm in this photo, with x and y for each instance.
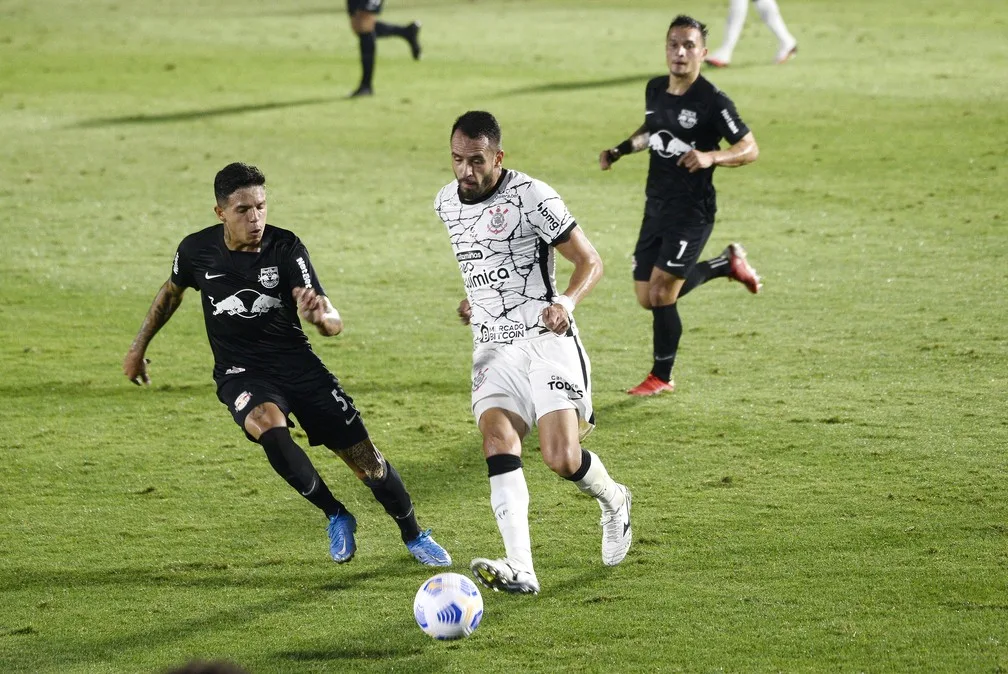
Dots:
(167, 300)
(637, 141)
(318, 310)
(587, 272)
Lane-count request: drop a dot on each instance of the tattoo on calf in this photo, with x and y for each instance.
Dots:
(367, 457)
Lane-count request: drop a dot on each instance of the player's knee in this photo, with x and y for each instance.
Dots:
(263, 418)
(563, 459)
(660, 295)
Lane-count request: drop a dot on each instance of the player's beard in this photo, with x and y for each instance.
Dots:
(478, 191)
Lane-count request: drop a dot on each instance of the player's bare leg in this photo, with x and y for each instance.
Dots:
(502, 432)
(562, 452)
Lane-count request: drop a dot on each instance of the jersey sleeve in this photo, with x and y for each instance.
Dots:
(548, 214)
(729, 124)
(181, 271)
(300, 270)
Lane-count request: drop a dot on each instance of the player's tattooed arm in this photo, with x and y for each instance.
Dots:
(587, 272)
(318, 310)
(745, 151)
(637, 141)
(167, 300)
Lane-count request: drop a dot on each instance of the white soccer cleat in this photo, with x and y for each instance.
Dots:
(503, 575)
(616, 532)
(786, 52)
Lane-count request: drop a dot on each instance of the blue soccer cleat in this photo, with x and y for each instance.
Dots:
(428, 552)
(342, 545)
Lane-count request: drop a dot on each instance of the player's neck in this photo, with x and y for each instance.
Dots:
(678, 86)
(239, 247)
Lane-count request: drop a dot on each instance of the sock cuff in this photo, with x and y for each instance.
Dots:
(274, 435)
(389, 472)
(498, 464)
(586, 461)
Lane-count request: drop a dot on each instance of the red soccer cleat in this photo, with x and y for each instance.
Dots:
(740, 269)
(652, 385)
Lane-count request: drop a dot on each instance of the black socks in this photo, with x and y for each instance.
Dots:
(703, 272)
(667, 330)
(386, 29)
(294, 466)
(367, 58)
(391, 493)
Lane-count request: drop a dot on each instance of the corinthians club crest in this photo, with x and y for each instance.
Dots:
(687, 119)
(497, 221)
(269, 277)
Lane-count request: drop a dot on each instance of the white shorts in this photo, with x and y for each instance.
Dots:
(534, 377)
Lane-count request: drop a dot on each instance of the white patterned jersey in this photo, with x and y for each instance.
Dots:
(504, 248)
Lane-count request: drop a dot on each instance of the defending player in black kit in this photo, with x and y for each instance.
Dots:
(685, 119)
(257, 282)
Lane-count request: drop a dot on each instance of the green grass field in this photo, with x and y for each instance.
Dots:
(825, 491)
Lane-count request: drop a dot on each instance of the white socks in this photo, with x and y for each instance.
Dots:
(768, 11)
(771, 16)
(737, 10)
(598, 484)
(509, 498)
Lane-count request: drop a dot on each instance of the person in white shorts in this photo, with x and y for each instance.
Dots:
(787, 45)
(529, 366)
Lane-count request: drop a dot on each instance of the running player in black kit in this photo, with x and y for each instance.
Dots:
(368, 29)
(685, 119)
(256, 280)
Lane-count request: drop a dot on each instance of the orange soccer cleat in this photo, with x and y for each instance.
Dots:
(652, 385)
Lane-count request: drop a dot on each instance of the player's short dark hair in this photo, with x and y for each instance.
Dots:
(477, 123)
(233, 177)
(689, 22)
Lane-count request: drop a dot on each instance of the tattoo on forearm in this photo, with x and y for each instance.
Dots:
(168, 299)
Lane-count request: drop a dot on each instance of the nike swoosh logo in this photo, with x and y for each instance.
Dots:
(674, 264)
(209, 276)
(626, 526)
(649, 112)
(351, 419)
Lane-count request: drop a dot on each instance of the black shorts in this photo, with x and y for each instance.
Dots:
(315, 398)
(673, 246)
(372, 6)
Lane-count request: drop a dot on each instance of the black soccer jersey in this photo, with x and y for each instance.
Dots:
(251, 317)
(699, 119)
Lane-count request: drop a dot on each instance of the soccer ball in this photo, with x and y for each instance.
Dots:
(448, 606)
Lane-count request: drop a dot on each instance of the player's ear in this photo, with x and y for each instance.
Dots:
(220, 213)
(498, 158)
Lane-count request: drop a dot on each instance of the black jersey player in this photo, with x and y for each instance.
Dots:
(685, 119)
(257, 283)
(366, 26)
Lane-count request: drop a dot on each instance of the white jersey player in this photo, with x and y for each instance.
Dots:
(529, 367)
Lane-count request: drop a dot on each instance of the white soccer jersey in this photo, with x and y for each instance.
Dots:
(503, 248)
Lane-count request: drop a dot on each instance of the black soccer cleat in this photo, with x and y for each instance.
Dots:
(413, 36)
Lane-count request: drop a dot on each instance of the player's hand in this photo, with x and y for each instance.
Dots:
(135, 368)
(310, 305)
(556, 318)
(465, 311)
(605, 160)
(694, 161)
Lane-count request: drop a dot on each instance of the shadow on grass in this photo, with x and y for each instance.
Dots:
(287, 590)
(550, 87)
(190, 115)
